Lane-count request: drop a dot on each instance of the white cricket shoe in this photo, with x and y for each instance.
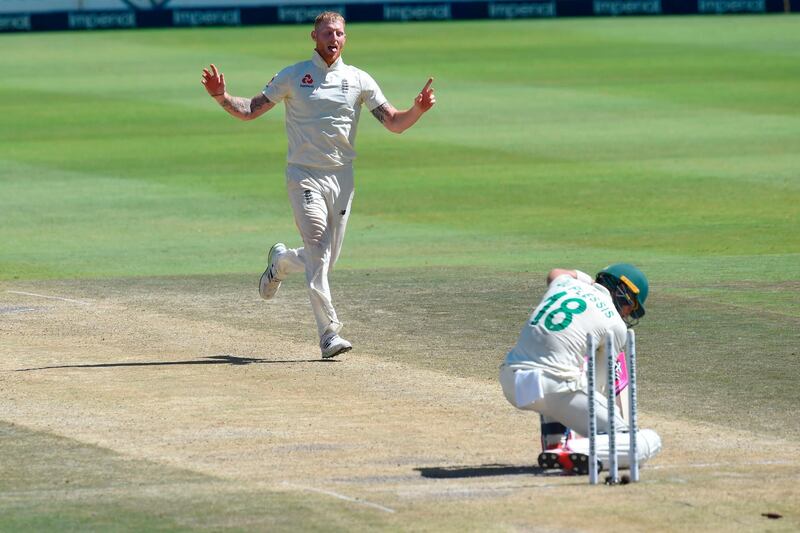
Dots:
(269, 283)
(333, 345)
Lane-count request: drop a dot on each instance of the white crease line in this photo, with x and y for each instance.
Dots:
(341, 497)
(50, 297)
(12, 310)
(727, 466)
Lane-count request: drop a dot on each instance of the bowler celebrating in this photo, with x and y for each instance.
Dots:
(323, 99)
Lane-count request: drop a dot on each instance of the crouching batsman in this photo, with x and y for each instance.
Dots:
(546, 370)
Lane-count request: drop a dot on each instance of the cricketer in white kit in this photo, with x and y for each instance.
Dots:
(546, 370)
(323, 99)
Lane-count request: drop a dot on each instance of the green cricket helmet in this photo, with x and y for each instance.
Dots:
(628, 286)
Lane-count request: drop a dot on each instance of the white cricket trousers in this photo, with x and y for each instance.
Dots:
(554, 399)
(321, 199)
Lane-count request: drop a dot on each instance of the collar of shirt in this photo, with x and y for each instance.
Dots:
(602, 289)
(318, 61)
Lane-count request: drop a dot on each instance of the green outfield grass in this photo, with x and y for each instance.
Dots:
(672, 143)
(668, 142)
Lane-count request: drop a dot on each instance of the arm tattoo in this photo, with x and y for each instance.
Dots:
(245, 108)
(258, 102)
(381, 113)
(237, 105)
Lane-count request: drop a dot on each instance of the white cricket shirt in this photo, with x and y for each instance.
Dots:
(553, 339)
(322, 108)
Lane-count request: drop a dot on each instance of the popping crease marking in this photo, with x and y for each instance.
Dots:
(12, 310)
(50, 297)
(341, 497)
(718, 465)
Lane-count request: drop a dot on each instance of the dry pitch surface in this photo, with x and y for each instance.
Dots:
(202, 378)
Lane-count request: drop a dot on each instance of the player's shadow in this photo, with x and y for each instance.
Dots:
(210, 360)
(454, 472)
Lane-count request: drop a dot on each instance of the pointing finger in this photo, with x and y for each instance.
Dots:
(427, 85)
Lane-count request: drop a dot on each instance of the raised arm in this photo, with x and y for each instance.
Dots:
(399, 121)
(241, 108)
